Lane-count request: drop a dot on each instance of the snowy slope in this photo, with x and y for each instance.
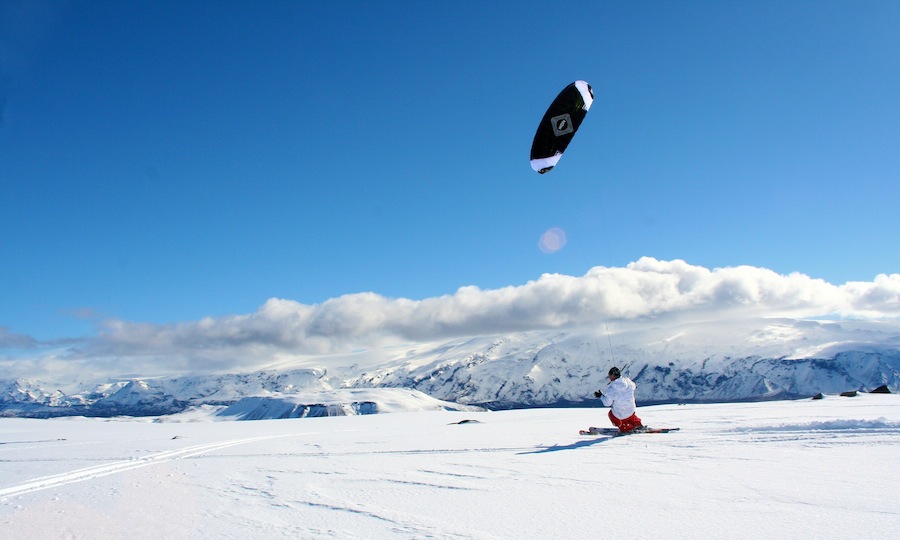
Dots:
(782, 469)
(336, 403)
(703, 361)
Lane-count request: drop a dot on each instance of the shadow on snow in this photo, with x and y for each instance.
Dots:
(573, 446)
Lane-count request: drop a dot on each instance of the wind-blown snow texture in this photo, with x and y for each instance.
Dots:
(760, 359)
(779, 469)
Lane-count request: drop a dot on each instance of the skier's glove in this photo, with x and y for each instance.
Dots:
(598, 394)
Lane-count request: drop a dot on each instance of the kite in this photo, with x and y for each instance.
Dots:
(559, 125)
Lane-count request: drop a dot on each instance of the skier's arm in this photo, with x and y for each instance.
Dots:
(607, 401)
(610, 395)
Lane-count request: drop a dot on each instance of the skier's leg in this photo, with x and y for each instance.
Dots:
(636, 421)
(630, 423)
(615, 421)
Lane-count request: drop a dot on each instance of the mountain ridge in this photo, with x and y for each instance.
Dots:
(712, 361)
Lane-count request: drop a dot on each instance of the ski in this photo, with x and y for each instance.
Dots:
(599, 431)
(655, 430)
(613, 432)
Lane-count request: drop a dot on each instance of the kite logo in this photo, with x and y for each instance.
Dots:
(562, 124)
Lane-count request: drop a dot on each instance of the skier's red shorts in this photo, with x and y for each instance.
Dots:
(626, 425)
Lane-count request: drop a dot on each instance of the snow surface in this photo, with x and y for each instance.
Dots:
(784, 469)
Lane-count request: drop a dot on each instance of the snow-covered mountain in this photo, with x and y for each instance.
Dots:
(697, 362)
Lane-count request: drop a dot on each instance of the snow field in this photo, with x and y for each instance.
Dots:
(797, 469)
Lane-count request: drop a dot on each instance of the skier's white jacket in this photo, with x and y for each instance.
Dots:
(620, 395)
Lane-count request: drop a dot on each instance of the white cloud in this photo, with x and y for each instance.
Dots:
(10, 340)
(648, 288)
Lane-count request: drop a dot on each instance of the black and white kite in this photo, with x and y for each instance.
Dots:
(559, 125)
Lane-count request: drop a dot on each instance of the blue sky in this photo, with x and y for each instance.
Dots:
(167, 161)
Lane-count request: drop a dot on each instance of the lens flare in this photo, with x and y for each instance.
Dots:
(553, 240)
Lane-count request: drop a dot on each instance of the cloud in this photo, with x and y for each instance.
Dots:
(9, 340)
(647, 289)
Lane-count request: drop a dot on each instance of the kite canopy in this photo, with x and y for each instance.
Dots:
(559, 125)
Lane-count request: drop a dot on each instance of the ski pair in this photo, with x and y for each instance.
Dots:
(614, 432)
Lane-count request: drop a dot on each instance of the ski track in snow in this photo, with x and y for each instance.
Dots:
(97, 471)
(401, 524)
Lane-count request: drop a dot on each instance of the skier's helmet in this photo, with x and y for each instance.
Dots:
(614, 373)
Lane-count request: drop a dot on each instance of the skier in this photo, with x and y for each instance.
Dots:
(619, 397)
